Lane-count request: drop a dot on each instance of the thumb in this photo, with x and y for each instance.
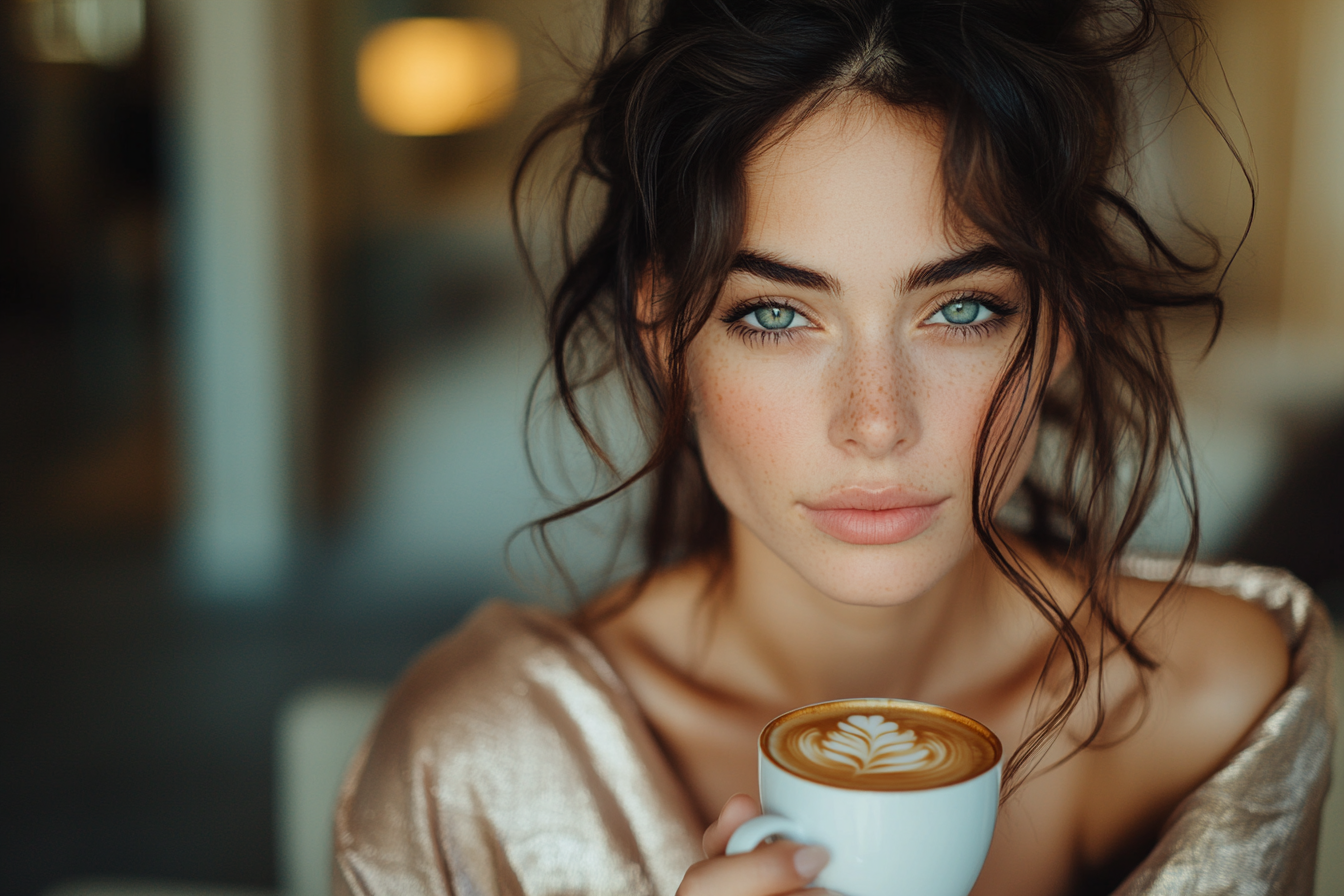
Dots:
(739, 808)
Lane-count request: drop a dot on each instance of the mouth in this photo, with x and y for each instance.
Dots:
(884, 516)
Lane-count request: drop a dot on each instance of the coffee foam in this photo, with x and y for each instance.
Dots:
(880, 745)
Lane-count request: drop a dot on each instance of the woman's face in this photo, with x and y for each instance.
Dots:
(841, 383)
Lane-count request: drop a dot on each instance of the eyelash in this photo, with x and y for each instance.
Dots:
(965, 331)
(971, 331)
(753, 334)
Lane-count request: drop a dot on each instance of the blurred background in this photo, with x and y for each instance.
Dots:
(265, 347)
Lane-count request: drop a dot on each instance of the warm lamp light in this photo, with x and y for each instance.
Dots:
(437, 76)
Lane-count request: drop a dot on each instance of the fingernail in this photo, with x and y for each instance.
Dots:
(809, 861)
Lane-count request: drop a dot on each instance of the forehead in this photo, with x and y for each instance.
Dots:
(857, 180)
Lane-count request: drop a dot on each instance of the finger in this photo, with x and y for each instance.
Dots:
(770, 870)
(738, 809)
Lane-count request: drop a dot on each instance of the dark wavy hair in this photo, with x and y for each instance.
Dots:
(1033, 99)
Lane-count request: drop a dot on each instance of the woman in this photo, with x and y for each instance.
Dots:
(852, 256)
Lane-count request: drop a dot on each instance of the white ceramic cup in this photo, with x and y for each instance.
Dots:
(929, 842)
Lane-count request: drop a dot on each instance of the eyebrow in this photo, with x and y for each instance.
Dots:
(972, 261)
(768, 267)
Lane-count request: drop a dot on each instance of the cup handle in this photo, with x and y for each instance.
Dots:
(751, 833)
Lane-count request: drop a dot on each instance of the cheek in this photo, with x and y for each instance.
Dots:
(958, 393)
(751, 422)
(972, 394)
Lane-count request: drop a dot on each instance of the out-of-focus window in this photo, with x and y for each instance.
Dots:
(105, 32)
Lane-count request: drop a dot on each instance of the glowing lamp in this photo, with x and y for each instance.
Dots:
(437, 76)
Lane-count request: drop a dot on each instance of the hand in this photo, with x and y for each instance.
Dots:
(769, 870)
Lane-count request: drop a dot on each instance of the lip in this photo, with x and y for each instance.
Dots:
(873, 516)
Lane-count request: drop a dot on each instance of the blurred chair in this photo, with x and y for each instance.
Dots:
(318, 732)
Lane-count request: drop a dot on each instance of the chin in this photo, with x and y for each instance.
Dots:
(887, 585)
(883, 575)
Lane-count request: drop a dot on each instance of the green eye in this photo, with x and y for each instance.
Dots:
(962, 311)
(776, 318)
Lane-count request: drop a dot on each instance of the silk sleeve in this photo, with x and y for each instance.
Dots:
(1252, 828)
(511, 760)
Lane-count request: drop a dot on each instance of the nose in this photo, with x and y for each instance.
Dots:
(875, 411)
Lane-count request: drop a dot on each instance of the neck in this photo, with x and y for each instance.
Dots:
(789, 644)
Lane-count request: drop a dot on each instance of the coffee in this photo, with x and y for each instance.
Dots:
(877, 744)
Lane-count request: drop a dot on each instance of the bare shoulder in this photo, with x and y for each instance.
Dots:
(1221, 662)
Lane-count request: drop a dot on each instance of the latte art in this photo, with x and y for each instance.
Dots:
(885, 745)
(871, 745)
